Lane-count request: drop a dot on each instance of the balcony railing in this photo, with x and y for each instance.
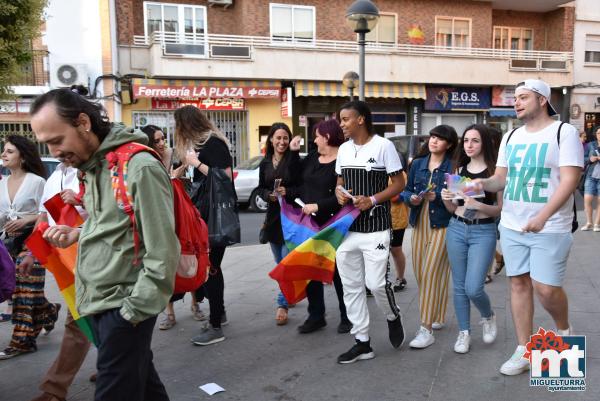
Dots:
(243, 47)
(35, 72)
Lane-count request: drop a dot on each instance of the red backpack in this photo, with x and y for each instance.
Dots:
(192, 270)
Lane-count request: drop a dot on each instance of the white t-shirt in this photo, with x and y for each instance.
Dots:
(365, 170)
(533, 160)
(26, 200)
(62, 178)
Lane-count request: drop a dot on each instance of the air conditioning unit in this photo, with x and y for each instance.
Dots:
(225, 3)
(65, 75)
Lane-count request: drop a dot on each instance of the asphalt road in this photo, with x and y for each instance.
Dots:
(250, 223)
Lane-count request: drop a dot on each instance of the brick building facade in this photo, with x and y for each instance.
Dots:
(420, 50)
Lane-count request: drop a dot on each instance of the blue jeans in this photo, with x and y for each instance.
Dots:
(279, 252)
(471, 249)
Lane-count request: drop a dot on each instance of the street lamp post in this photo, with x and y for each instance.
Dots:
(362, 16)
(350, 81)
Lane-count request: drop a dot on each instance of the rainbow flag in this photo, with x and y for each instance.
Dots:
(61, 262)
(313, 247)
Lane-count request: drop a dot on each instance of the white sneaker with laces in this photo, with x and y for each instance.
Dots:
(516, 364)
(437, 325)
(463, 342)
(490, 330)
(423, 339)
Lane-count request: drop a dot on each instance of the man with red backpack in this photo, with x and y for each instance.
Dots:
(128, 249)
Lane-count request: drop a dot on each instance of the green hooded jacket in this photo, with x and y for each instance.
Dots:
(106, 277)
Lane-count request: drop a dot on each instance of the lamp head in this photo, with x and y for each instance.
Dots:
(350, 80)
(362, 16)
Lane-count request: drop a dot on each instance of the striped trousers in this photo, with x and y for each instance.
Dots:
(431, 268)
(31, 309)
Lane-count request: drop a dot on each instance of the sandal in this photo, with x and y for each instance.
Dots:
(281, 316)
(5, 317)
(197, 314)
(488, 279)
(168, 322)
(586, 227)
(11, 352)
(49, 327)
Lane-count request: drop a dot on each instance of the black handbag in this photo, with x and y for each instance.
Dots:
(217, 198)
(14, 245)
(262, 235)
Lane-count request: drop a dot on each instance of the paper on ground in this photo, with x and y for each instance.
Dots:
(211, 388)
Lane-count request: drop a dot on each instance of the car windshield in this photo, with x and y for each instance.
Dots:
(250, 164)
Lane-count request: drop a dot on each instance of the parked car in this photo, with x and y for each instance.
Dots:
(245, 179)
(49, 162)
(408, 146)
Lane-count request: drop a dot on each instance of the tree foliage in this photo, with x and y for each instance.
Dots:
(20, 22)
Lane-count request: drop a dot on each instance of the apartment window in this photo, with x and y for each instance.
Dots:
(385, 30)
(513, 38)
(452, 32)
(592, 49)
(174, 18)
(292, 23)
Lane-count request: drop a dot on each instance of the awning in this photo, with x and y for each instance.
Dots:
(174, 89)
(389, 90)
(502, 112)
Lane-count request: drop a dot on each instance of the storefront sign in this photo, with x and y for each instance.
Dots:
(213, 92)
(204, 104)
(503, 96)
(286, 102)
(452, 98)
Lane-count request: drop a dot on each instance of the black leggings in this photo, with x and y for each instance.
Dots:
(316, 300)
(214, 287)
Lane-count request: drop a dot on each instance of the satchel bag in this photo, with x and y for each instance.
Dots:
(223, 220)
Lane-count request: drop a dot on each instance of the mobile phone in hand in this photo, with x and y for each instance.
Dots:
(277, 183)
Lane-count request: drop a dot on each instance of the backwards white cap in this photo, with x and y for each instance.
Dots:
(541, 88)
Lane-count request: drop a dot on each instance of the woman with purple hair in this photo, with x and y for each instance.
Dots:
(316, 188)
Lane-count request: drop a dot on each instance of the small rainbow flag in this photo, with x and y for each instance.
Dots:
(313, 247)
(61, 262)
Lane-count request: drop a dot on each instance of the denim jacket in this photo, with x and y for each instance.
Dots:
(418, 179)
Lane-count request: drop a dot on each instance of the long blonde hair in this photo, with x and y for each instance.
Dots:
(193, 129)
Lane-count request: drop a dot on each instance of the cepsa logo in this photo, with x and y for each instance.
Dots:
(557, 362)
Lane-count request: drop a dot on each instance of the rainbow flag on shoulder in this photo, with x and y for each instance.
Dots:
(313, 247)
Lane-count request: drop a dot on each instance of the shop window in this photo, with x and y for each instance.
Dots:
(385, 30)
(183, 22)
(592, 49)
(452, 32)
(512, 38)
(389, 124)
(291, 23)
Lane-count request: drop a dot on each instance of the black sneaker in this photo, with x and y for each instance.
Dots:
(396, 332)
(361, 350)
(399, 285)
(369, 293)
(311, 325)
(344, 327)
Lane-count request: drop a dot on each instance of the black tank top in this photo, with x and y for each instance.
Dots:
(490, 198)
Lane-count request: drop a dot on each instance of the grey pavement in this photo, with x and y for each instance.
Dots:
(260, 361)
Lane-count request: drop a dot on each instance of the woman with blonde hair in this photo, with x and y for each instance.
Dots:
(200, 145)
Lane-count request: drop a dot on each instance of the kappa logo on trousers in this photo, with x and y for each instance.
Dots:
(380, 247)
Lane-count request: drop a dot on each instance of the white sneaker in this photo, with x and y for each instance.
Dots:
(437, 325)
(516, 364)
(423, 339)
(463, 342)
(490, 330)
(565, 332)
